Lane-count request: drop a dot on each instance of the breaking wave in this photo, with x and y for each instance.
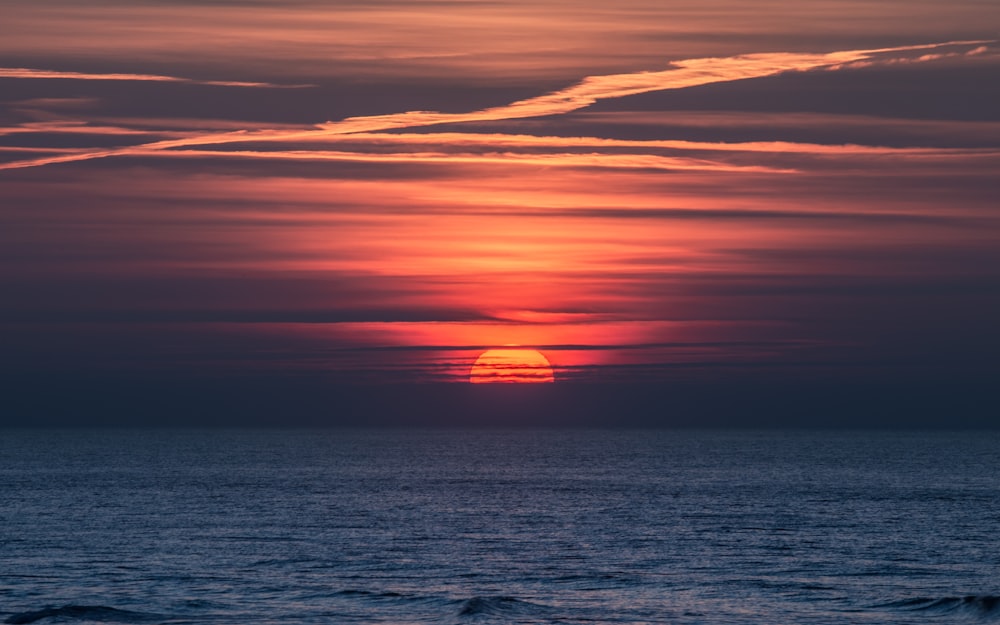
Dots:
(975, 605)
(95, 613)
(498, 606)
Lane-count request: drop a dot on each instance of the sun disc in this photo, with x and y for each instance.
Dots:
(512, 365)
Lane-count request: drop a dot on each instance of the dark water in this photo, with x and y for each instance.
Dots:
(523, 526)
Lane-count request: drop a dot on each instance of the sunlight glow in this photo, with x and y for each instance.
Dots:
(512, 365)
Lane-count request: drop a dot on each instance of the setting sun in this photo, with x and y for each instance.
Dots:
(513, 365)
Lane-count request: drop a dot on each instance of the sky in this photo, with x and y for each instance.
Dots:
(324, 213)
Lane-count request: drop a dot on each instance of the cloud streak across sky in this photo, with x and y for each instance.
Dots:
(39, 74)
(683, 74)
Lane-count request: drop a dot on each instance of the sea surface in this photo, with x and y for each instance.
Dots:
(491, 526)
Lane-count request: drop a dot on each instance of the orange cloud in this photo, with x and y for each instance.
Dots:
(27, 73)
(683, 74)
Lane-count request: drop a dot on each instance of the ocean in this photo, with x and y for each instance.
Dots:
(564, 526)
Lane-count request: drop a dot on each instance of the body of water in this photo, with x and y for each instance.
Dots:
(490, 526)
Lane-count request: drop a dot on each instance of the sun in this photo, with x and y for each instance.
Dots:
(512, 365)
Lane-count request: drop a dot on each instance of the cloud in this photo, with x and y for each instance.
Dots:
(28, 73)
(495, 148)
(628, 161)
(737, 127)
(81, 128)
(494, 141)
(682, 74)
(923, 58)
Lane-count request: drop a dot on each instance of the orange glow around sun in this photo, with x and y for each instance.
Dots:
(512, 365)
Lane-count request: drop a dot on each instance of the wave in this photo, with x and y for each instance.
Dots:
(350, 592)
(498, 606)
(977, 605)
(96, 613)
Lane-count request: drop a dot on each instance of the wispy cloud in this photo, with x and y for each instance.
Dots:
(629, 161)
(29, 73)
(681, 74)
(922, 58)
(80, 128)
(502, 140)
(453, 148)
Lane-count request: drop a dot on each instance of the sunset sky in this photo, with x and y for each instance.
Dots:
(245, 205)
